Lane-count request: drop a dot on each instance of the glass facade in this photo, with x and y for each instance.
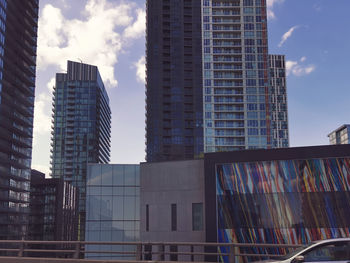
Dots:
(236, 101)
(18, 40)
(174, 111)
(279, 107)
(112, 208)
(208, 79)
(283, 201)
(81, 127)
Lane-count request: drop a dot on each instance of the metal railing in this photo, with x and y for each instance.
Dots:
(159, 251)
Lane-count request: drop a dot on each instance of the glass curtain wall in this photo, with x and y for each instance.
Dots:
(113, 208)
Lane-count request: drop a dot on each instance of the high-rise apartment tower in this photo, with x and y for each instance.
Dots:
(18, 40)
(278, 96)
(236, 75)
(340, 135)
(174, 111)
(218, 100)
(81, 127)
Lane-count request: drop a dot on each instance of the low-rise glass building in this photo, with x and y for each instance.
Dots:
(112, 208)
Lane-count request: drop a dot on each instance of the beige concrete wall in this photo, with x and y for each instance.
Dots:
(166, 183)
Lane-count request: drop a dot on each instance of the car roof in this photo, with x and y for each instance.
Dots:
(331, 240)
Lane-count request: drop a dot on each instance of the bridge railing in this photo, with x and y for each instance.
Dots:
(160, 251)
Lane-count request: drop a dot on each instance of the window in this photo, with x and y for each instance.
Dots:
(173, 217)
(337, 251)
(147, 218)
(197, 216)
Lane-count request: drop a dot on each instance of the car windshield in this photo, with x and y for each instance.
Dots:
(294, 252)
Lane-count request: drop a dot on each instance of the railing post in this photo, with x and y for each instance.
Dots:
(21, 248)
(161, 252)
(192, 250)
(139, 252)
(77, 250)
(232, 257)
(148, 252)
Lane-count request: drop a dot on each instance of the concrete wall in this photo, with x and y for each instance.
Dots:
(166, 183)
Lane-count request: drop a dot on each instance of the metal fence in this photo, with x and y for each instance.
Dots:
(141, 251)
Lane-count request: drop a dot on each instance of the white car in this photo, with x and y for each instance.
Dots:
(329, 250)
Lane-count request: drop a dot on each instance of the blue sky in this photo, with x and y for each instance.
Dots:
(313, 34)
(318, 102)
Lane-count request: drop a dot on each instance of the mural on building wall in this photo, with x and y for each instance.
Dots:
(290, 201)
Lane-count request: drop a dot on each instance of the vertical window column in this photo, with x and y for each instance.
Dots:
(173, 217)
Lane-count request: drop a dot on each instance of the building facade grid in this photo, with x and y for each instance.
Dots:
(81, 127)
(235, 75)
(18, 40)
(279, 106)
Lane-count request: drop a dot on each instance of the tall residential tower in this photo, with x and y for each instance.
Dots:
(236, 75)
(278, 97)
(340, 135)
(174, 111)
(18, 39)
(208, 78)
(81, 127)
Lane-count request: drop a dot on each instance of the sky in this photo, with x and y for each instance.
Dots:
(313, 34)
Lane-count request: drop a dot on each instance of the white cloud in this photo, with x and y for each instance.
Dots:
(93, 39)
(104, 30)
(297, 69)
(138, 28)
(42, 118)
(287, 35)
(140, 66)
(51, 84)
(270, 6)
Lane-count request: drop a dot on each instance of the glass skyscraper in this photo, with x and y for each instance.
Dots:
(81, 127)
(18, 40)
(219, 100)
(174, 111)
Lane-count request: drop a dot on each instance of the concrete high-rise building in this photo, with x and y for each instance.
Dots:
(340, 135)
(218, 100)
(279, 107)
(18, 40)
(81, 127)
(235, 73)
